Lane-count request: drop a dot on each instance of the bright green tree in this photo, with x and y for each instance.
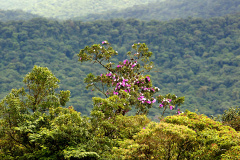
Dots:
(34, 125)
(184, 136)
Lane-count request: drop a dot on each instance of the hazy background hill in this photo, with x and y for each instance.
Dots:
(88, 10)
(172, 9)
(196, 58)
(15, 15)
(66, 9)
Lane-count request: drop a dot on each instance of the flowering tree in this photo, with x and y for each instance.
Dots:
(125, 84)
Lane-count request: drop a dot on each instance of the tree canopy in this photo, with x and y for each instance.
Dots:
(35, 125)
(195, 58)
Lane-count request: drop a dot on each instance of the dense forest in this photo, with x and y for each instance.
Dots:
(35, 125)
(146, 79)
(171, 9)
(193, 57)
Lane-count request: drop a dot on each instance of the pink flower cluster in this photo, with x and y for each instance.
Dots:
(120, 83)
(127, 63)
(142, 81)
(178, 112)
(104, 42)
(144, 100)
(126, 83)
(166, 102)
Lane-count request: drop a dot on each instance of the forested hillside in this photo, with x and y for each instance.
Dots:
(15, 15)
(62, 9)
(172, 9)
(193, 57)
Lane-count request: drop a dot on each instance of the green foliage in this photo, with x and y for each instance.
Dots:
(195, 58)
(107, 132)
(231, 117)
(158, 141)
(34, 126)
(78, 153)
(233, 153)
(213, 137)
(185, 136)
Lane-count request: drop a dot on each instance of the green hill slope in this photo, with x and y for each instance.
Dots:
(172, 9)
(15, 15)
(63, 9)
(195, 58)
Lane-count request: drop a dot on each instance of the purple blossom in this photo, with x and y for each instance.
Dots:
(154, 100)
(148, 78)
(171, 107)
(178, 111)
(161, 105)
(115, 93)
(141, 98)
(149, 102)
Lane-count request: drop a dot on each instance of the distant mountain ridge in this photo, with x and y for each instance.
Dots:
(89, 10)
(172, 9)
(63, 9)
